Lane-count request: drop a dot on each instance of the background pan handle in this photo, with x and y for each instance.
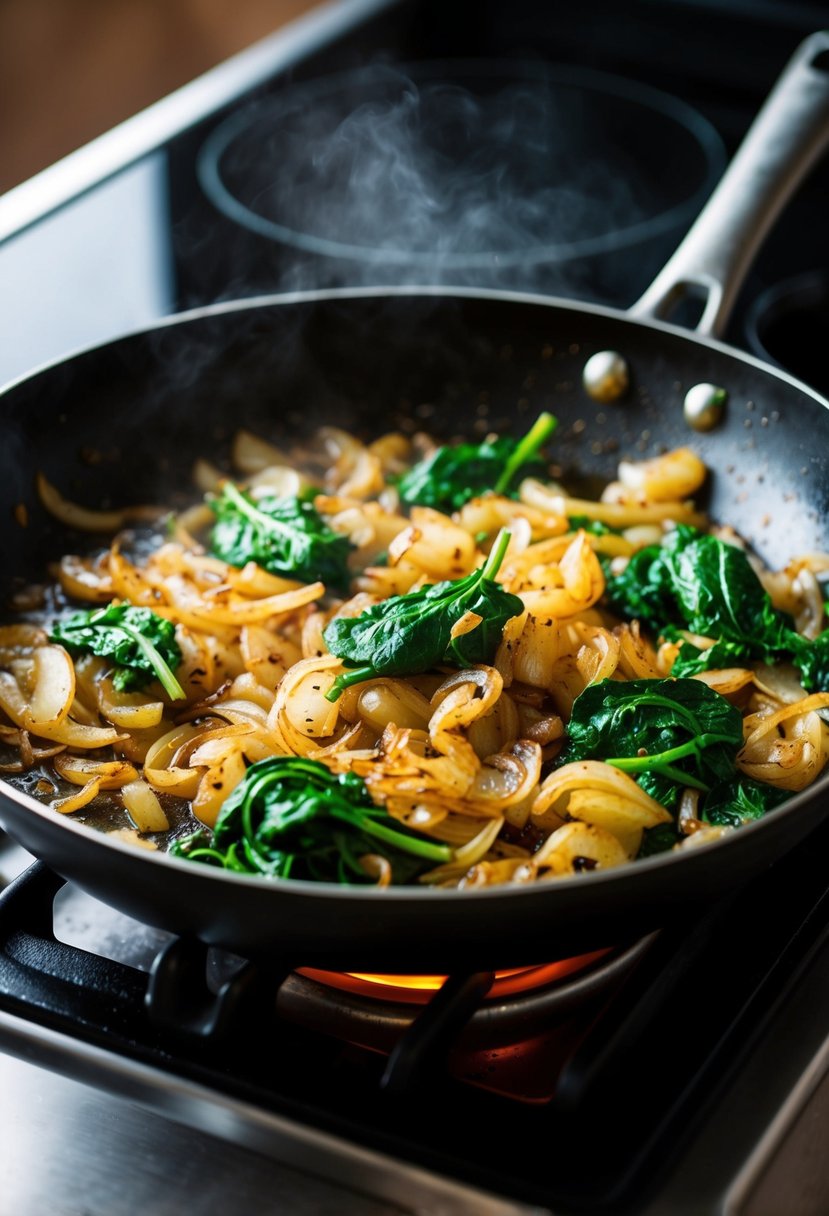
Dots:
(784, 142)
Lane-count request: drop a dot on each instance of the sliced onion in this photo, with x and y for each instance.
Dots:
(479, 845)
(618, 515)
(508, 778)
(218, 745)
(564, 850)
(673, 476)
(793, 709)
(780, 680)
(250, 454)
(637, 658)
(217, 784)
(377, 867)
(17, 641)
(467, 855)
(86, 519)
(111, 774)
(207, 477)
(382, 701)
(727, 681)
(600, 795)
(206, 612)
(74, 802)
(54, 689)
(252, 580)
(144, 808)
(709, 833)
(481, 686)
(133, 711)
(83, 581)
(277, 481)
(301, 704)
(131, 584)
(74, 734)
(162, 773)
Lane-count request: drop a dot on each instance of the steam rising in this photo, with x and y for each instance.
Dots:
(480, 173)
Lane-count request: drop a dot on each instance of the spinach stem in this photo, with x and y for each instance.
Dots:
(157, 661)
(497, 554)
(355, 675)
(408, 844)
(539, 433)
(252, 512)
(663, 761)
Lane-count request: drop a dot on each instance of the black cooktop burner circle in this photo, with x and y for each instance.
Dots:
(462, 165)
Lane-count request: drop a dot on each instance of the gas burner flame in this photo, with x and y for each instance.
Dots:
(418, 989)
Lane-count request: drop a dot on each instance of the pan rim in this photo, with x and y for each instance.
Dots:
(427, 291)
(257, 882)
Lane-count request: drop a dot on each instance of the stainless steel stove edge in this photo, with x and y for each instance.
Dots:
(303, 1149)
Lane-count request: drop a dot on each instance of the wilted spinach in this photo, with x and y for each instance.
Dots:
(457, 472)
(697, 582)
(679, 730)
(739, 801)
(670, 734)
(286, 536)
(408, 634)
(142, 644)
(293, 818)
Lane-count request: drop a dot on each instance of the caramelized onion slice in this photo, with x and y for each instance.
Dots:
(159, 768)
(54, 687)
(144, 808)
(74, 802)
(111, 774)
(250, 454)
(69, 732)
(132, 711)
(576, 848)
(85, 519)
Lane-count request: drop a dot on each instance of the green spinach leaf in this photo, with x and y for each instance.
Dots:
(677, 729)
(691, 659)
(660, 839)
(408, 634)
(643, 590)
(741, 800)
(594, 527)
(142, 644)
(455, 473)
(293, 818)
(286, 536)
(719, 595)
(697, 582)
(812, 660)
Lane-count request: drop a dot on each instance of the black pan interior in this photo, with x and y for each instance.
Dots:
(124, 423)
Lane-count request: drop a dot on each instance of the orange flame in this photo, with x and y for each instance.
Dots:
(417, 989)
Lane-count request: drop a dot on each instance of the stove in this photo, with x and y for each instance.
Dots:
(684, 1072)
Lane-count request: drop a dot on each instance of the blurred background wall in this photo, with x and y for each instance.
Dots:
(71, 69)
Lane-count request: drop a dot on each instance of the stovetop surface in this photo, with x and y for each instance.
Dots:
(743, 983)
(743, 1030)
(136, 237)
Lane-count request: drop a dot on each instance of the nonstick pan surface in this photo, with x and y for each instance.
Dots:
(123, 423)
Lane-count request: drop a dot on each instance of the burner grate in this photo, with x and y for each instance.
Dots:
(673, 1030)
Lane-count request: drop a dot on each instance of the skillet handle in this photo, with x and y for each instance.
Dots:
(784, 142)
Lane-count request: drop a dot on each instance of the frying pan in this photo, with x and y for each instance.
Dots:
(123, 423)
